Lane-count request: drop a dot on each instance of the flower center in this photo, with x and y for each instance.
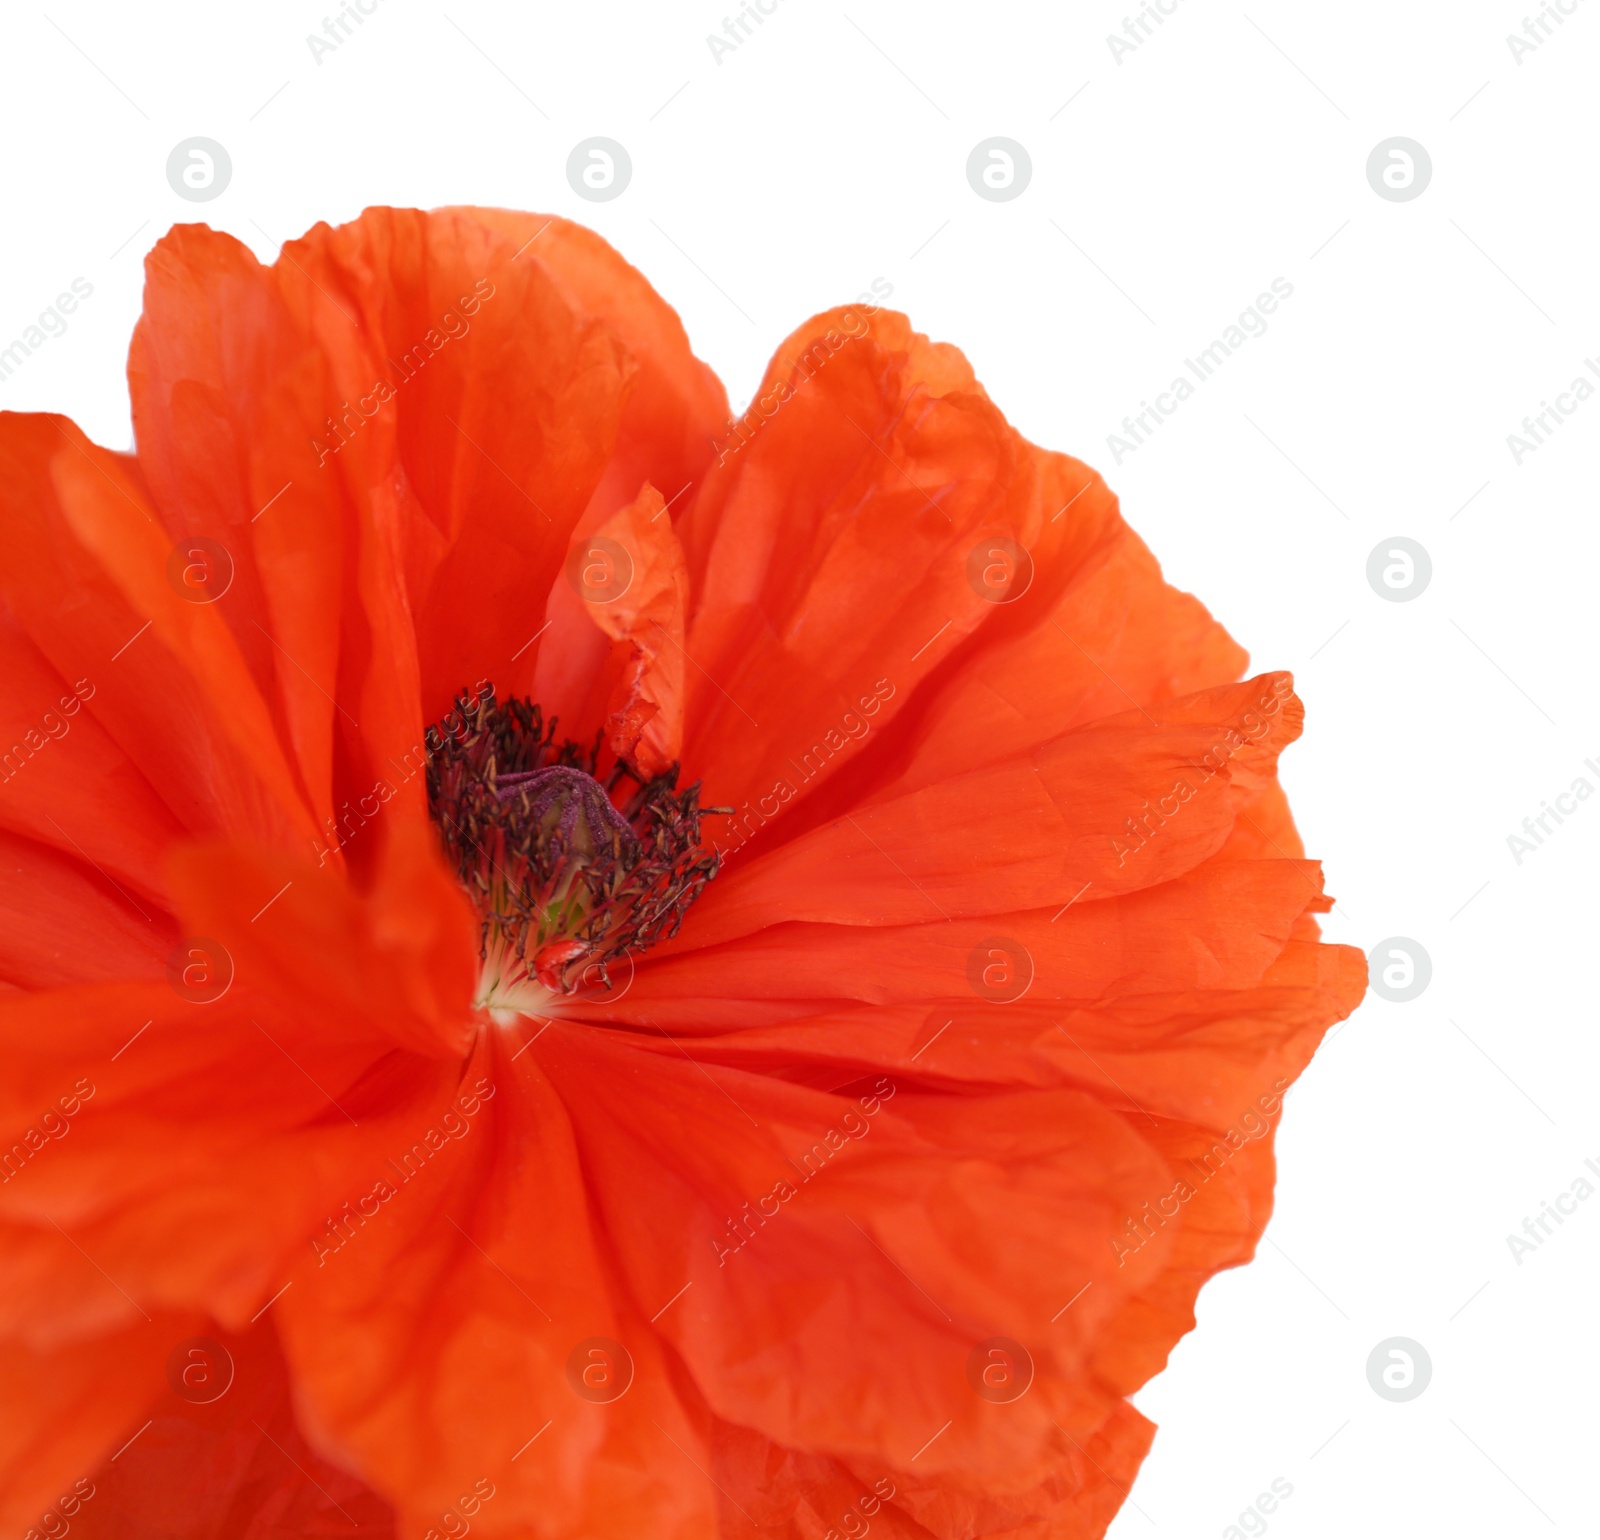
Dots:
(571, 874)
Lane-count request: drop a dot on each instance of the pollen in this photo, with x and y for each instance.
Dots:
(570, 873)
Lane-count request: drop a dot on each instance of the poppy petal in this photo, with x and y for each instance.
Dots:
(675, 403)
(1117, 805)
(63, 1408)
(890, 459)
(448, 1338)
(86, 570)
(1099, 631)
(842, 1271)
(228, 393)
(630, 575)
(85, 796)
(505, 408)
(63, 923)
(1219, 926)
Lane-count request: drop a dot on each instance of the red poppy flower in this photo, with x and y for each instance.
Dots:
(576, 969)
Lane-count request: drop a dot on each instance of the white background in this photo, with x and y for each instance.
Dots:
(1168, 189)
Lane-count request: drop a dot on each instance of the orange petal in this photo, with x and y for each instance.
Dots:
(447, 1337)
(829, 555)
(191, 1466)
(645, 724)
(227, 396)
(676, 405)
(65, 781)
(248, 1114)
(1120, 804)
(86, 569)
(808, 1226)
(1217, 927)
(63, 1410)
(399, 964)
(480, 402)
(1098, 633)
(63, 923)
(1201, 1056)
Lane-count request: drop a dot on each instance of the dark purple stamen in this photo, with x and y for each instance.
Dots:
(562, 874)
